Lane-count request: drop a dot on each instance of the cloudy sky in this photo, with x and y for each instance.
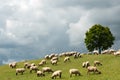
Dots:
(30, 29)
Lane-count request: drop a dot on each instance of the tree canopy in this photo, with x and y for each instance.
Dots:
(98, 38)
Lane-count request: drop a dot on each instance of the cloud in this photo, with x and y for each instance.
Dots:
(32, 28)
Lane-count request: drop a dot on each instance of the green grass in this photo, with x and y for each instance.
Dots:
(110, 69)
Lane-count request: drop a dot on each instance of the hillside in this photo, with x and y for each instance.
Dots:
(110, 69)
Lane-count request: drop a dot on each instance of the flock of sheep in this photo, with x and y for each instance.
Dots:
(54, 58)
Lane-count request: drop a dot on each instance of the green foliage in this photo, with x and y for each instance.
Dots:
(99, 37)
(110, 69)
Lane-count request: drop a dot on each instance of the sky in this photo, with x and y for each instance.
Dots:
(30, 29)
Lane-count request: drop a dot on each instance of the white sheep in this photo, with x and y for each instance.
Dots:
(74, 71)
(54, 62)
(42, 63)
(85, 64)
(47, 57)
(54, 58)
(56, 73)
(47, 69)
(20, 70)
(27, 65)
(13, 65)
(40, 73)
(35, 68)
(92, 69)
(116, 53)
(97, 63)
(66, 59)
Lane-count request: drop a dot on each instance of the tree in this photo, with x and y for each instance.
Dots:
(98, 38)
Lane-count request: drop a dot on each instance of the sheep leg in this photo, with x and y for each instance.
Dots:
(16, 73)
(60, 76)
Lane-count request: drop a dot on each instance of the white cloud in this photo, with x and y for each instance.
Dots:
(77, 30)
(37, 26)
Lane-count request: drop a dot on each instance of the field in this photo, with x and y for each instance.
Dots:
(110, 69)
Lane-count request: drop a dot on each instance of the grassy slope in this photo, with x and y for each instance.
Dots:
(110, 69)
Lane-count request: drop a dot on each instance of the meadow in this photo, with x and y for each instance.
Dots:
(110, 69)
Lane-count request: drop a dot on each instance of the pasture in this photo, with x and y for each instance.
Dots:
(110, 69)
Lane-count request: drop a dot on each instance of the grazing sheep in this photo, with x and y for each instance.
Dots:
(20, 70)
(35, 68)
(77, 55)
(56, 73)
(13, 65)
(117, 53)
(47, 57)
(97, 63)
(85, 64)
(66, 59)
(51, 56)
(54, 58)
(40, 73)
(47, 69)
(33, 64)
(74, 71)
(54, 62)
(92, 69)
(42, 63)
(27, 65)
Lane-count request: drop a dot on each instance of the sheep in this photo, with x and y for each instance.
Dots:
(66, 59)
(47, 57)
(27, 65)
(33, 64)
(40, 73)
(20, 70)
(51, 56)
(47, 69)
(13, 65)
(35, 68)
(97, 63)
(77, 55)
(117, 53)
(85, 64)
(74, 71)
(53, 62)
(56, 73)
(92, 69)
(42, 62)
(54, 58)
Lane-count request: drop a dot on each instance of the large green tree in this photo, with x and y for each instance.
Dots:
(98, 38)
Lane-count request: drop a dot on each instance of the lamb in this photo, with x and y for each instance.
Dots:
(40, 73)
(13, 65)
(66, 59)
(97, 63)
(20, 70)
(56, 73)
(35, 68)
(47, 69)
(85, 64)
(92, 69)
(74, 71)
